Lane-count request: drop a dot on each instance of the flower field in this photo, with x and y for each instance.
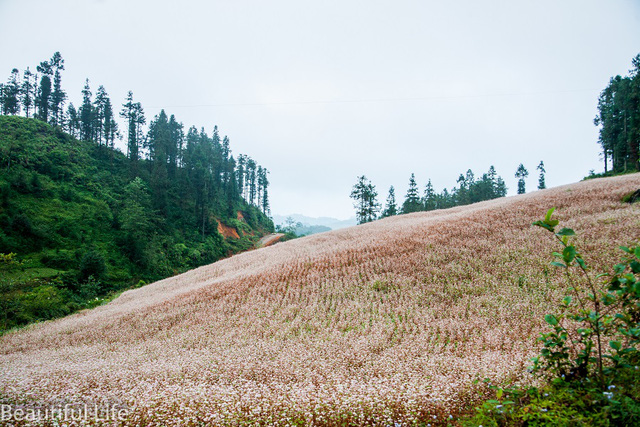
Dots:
(387, 323)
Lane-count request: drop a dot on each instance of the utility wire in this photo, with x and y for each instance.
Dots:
(375, 100)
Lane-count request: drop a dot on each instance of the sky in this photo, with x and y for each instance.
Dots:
(320, 92)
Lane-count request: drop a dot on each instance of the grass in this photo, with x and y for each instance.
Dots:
(388, 322)
(29, 274)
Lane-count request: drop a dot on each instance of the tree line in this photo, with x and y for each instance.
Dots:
(619, 121)
(468, 189)
(191, 164)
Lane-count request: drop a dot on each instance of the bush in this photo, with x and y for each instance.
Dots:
(590, 358)
(92, 264)
(44, 302)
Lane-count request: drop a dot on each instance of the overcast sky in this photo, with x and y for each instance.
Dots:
(320, 92)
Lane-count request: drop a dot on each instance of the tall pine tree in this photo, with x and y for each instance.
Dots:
(44, 91)
(87, 124)
(541, 181)
(365, 201)
(26, 91)
(521, 173)
(390, 208)
(58, 96)
(412, 198)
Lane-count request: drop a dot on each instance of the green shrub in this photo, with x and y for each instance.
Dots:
(44, 302)
(590, 357)
(92, 264)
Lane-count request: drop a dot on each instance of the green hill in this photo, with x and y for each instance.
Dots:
(82, 226)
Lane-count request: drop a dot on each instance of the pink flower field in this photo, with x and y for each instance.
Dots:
(387, 323)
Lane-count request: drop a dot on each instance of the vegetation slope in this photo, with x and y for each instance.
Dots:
(387, 322)
(83, 226)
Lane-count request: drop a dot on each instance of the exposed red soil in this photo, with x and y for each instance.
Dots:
(270, 239)
(227, 231)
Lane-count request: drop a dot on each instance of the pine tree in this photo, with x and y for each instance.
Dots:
(133, 113)
(44, 91)
(541, 182)
(11, 94)
(98, 114)
(26, 91)
(158, 142)
(251, 180)
(429, 199)
(500, 187)
(240, 172)
(364, 197)
(105, 127)
(73, 121)
(264, 184)
(87, 125)
(619, 121)
(412, 198)
(174, 150)
(521, 174)
(58, 96)
(445, 200)
(110, 125)
(462, 194)
(391, 208)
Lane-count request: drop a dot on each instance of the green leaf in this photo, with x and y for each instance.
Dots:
(636, 251)
(619, 268)
(616, 345)
(568, 254)
(547, 217)
(551, 319)
(566, 232)
(543, 225)
(566, 300)
(558, 264)
(626, 249)
(499, 393)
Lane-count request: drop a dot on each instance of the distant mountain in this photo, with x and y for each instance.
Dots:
(307, 230)
(332, 223)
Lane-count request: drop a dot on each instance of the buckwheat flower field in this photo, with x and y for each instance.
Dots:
(387, 323)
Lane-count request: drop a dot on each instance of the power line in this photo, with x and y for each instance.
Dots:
(377, 100)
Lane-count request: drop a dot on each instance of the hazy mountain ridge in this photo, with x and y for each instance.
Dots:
(332, 223)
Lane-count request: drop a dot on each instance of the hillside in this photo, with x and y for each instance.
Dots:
(84, 223)
(390, 321)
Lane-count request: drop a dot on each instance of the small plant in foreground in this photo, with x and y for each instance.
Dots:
(590, 357)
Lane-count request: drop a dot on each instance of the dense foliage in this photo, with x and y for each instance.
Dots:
(619, 121)
(591, 355)
(468, 190)
(86, 220)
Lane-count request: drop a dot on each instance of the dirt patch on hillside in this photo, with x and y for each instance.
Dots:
(227, 231)
(270, 239)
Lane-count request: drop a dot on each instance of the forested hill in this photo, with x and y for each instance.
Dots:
(84, 221)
